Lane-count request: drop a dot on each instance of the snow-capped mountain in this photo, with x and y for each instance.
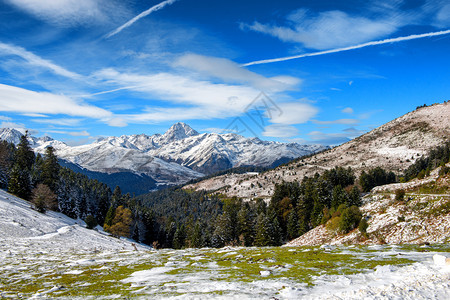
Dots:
(178, 155)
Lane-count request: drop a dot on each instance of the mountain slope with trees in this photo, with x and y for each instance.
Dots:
(393, 146)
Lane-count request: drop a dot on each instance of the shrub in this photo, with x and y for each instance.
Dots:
(350, 219)
(363, 225)
(90, 221)
(399, 195)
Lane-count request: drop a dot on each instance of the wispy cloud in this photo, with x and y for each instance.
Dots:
(18, 100)
(229, 71)
(140, 16)
(66, 12)
(347, 110)
(330, 29)
(60, 122)
(33, 59)
(194, 95)
(373, 43)
(71, 133)
(280, 131)
(294, 113)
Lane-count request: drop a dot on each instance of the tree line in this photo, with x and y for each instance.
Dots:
(178, 218)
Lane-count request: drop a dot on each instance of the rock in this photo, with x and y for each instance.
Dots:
(441, 260)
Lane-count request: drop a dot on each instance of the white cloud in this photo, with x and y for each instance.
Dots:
(329, 29)
(34, 60)
(294, 113)
(60, 122)
(117, 122)
(232, 72)
(443, 17)
(71, 133)
(280, 131)
(18, 100)
(66, 12)
(17, 126)
(197, 96)
(347, 110)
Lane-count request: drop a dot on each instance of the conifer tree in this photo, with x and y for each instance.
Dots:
(262, 231)
(148, 220)
(50, 169)
(109, 218)
(179, 237)
(245, 225)
(292, 225)
(20, 182)
(6, 160)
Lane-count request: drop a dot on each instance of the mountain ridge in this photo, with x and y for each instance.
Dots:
(175, 157)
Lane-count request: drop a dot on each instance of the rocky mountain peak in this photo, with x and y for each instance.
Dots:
(10, 135)
(178, 131)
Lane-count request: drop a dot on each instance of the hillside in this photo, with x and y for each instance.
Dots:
(394, 146)
(422, 217)
(51, 256)
(25, 230)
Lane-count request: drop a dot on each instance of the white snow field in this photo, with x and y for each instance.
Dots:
(52, 256)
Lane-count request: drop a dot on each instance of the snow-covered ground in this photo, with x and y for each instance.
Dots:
(50, 255)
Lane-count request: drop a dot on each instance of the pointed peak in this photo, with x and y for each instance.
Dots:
(10, 135)
(179, 131)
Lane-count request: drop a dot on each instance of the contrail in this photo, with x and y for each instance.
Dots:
(35, 60)
(141, 15)
(374, 43)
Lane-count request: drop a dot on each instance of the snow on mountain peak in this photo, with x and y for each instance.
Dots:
(178, 131)
(10, 135)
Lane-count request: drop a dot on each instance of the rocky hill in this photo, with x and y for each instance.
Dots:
(394, 146)
(422, 216)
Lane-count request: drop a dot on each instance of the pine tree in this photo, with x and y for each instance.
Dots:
(262, 231)
(6, 161)
(116, 199)
(355, 197)
(20, 182)
(245, 225)
(292, 225)
(275, 234)
(109, 218)
(148, 220)
(50, 169)
(179, 237)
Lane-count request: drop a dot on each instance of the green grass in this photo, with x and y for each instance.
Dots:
(103, 277)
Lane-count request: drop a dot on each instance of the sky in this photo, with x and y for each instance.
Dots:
(290, 71)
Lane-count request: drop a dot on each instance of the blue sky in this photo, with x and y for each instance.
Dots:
(79, 69)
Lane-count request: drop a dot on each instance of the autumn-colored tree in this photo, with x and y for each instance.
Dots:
(43, 198)
(121, 224)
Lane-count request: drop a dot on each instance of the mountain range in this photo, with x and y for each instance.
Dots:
(172, 158)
